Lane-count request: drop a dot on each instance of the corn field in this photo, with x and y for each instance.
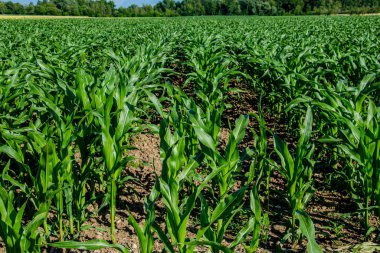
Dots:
(207, 134)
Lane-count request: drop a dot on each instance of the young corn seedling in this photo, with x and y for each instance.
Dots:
(261, 166)
(113, 106)
(212, 70)
(113, 135)
(145, 233)
(361, 143)
(37, 183)
(62, 153)
(179, 119)
(297, 170)
(252, 227)
(56, 163)
(110, 107)
(178, 170)
(227, 205)
(258, 170)
(177, 166)
(17, 235)
(208, 135)
(87, 141)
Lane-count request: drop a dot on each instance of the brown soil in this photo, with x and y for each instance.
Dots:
(146, 165)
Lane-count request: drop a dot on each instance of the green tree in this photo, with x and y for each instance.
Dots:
(192, 8)
(29, 9)
(3, 8)
(51, 9)
(40, 9)
(233, 7)
(299, 6)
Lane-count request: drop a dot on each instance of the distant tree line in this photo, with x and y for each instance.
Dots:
(96, 8)
(104, 8)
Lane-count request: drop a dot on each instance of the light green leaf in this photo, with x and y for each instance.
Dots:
(307, 229)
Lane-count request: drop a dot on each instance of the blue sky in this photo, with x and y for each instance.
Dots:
(118, 3)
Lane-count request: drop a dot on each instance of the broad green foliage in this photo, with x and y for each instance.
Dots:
(74, 92)
(19, 237)
(297, 168)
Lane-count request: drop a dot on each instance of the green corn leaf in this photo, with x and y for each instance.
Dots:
(30, 231)
(190, 203)
(190, 166)
(4, 198)
(205, 138)
(297, 101)
(371, 113)
(228, 205)
(329, 139)
(363, 84)
(232, 152)
(244, 232)
(156, 103)
(306, 130)
(138, 230)
(307, 229)
(240, 127)
(53, 108)
(226, 222)
(12, 153)
(325, 107)
(255, 203)
(286, 159)
(83, 81)
(88, 245)
(18, 219)
(168, 195)
(351, 153)
(168, 245)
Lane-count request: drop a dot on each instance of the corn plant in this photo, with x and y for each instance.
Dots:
(352, 120)
(252, 227)
(61, 155)
(145, 233)
(208, 135)
(113, 135)
(261, 166)
(227, 205)
(212, 70)
(17, 235)
(41, 189)
(359, 141)
(298, 169)
(177, 168)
